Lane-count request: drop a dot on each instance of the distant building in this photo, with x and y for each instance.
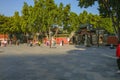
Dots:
(3, 37)
(112, 40)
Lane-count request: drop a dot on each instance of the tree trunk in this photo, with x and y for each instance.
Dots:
(72, 34)
(119, 35)
(56, 32)
(114, 25)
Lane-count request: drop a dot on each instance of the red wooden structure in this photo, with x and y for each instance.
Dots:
(3, 37)
(112, 40)
(58, 40)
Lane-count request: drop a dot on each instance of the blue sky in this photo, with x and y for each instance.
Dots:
(8, 7)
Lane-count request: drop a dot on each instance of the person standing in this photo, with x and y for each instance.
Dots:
(118, 57)
(68, 39)
(62, 43)
(31, 43)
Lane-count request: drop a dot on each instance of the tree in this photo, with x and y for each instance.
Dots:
(5, 24)
(74, 22)
(50, 9)
(60, 15)
(106, 23)
(57, 19)
(37, 14)
(89, 19)
(107, 8)
(83, 19)
(25, 18)
(2, 22)
(16, 23)
(66, 12)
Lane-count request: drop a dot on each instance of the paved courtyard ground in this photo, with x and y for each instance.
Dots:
(66, 62)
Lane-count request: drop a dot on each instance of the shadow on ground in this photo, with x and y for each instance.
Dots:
(57, 64)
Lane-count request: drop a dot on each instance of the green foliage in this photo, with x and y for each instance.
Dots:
(86, 3)
(108, 9)
(74, 22)
(88, 18)
(106, 23)
(16, 26)
(83, 17)
(25, 18)
(40, 17)
(5, 23)
(66, 13)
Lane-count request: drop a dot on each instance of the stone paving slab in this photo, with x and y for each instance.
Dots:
(61, 63)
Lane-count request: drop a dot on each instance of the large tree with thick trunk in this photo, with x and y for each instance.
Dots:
(107, 8)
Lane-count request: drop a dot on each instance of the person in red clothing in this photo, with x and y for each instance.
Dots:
(118, 57)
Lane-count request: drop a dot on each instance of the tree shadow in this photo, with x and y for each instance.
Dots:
(57, 64)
